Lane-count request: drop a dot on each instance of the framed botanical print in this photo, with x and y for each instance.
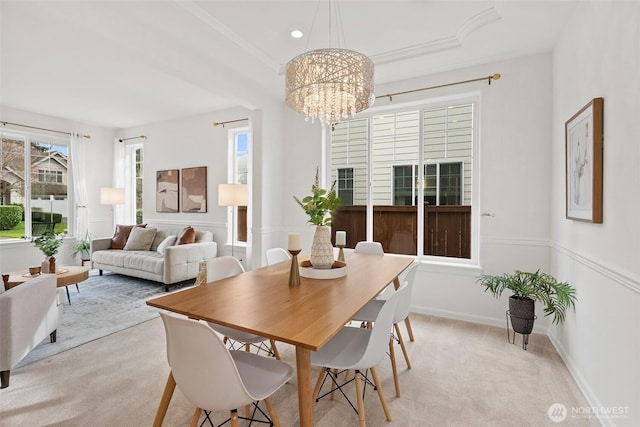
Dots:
(167, 190)
(583, 152)
(194, 189)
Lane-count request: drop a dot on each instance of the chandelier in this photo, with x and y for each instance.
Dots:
(329, 84)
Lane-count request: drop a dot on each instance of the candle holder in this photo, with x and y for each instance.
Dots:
(294, 273)
(341, 253)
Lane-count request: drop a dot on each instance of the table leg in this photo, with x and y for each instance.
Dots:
(164, 401)
(68, 297)
(305, 403)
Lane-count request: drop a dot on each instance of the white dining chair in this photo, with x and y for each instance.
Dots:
(276, 255)
(227, 266)
(371, 248)
(375, 248)
(370, 311)
(358, 349)
(214, 378)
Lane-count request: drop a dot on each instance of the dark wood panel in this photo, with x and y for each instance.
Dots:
(447, 230)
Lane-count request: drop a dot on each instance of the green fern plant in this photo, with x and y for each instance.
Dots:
(556, 296)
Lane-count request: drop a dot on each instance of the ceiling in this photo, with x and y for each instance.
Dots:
(121, 64)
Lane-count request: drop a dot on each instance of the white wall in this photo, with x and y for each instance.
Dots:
(599, 56)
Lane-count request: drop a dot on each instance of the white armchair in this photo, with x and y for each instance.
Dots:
(28, 313)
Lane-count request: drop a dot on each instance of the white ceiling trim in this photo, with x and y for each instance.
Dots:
(225, 31)
(480, 20)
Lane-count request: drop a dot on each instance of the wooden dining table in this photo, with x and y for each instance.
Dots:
(306, 316)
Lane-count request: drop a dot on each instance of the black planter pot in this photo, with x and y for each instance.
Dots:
(522, 314)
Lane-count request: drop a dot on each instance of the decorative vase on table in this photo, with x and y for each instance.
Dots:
(48, 265)
(321, 248)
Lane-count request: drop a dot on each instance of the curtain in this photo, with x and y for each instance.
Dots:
(122, 178)
(77, 160)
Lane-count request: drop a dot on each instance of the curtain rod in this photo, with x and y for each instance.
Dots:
(45, 129)
(132, 137)
(488, 78)
(228, 121)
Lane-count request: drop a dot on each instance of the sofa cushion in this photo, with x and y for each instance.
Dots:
(150, 261)
(121, 235)
(187, 235)
(168, 241)
(140, 239)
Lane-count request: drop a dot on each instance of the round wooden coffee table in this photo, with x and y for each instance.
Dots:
(65, 275)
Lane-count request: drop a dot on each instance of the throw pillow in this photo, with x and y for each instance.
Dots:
(187, 235)
(120, 236)
(168, 241)
(140, 239)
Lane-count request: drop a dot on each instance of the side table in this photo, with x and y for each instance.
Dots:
(65, 276)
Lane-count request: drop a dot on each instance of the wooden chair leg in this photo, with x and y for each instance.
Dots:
(394, 368)
(316, 390)
(383, 401)
(404, 349)
(234, 418)
(272, 412)
(360, 397)
(195, 418)
(274, 349)
(247, 347)
(407, 323)
(164, 401)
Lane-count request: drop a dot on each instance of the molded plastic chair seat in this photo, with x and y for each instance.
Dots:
(276, 255)
(370, 312)
(359, 349)
(214, 378)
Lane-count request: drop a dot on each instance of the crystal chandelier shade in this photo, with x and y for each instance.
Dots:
(330, 84)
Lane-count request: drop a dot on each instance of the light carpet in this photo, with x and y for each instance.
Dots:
(101, 306)
(463, 374)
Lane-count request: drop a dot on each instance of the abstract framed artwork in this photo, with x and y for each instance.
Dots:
(194, 189)
(167, 190)
(583, 152)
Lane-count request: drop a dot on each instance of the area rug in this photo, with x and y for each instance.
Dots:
(104, 305)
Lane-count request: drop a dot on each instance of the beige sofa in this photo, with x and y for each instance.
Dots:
(28, 314)
(163, 261)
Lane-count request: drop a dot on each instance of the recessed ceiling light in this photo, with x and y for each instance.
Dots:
(297, 34)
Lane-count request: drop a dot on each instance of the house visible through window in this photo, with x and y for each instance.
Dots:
(35, 200)
(345, 185)
(437, 140)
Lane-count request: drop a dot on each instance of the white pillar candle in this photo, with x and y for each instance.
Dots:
(341, 238)
(294, 242)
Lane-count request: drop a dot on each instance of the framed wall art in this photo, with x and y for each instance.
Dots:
(194, 189)
(583, 151)
(167, 190)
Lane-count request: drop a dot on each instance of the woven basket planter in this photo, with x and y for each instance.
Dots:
(522, 314)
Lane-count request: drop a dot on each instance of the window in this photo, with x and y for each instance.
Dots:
(34, 180)
(239, 158)
(386, 151)
(138, 186)
(345, 186)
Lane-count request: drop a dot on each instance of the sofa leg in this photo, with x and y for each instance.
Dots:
(166, 287)
(53, 335)
(4, 379)
(100, 272)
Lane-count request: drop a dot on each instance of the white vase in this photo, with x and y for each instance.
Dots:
(322, 249)
(48, 266)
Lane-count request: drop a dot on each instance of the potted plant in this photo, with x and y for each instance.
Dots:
(83, 246)
(527, 288)
(321, 206)
(48, 243)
